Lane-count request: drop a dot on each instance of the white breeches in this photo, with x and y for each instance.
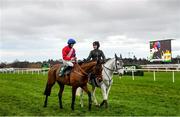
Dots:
(68, 63)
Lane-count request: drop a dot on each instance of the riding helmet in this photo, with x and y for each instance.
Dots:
(71, 41)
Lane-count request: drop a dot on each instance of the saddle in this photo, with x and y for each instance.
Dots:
(66, 70)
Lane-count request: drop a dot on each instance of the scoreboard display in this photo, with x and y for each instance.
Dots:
(160, 50)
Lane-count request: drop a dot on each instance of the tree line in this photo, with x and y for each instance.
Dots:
(50, 62)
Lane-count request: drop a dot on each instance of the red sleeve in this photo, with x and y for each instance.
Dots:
(74, 53)
(64, 54)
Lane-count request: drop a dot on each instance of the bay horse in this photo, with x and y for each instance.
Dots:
(77, 78)
(111, 66)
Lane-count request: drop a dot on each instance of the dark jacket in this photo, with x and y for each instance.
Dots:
(96, 54)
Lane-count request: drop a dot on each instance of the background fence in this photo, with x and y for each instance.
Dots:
(154, 68)
(155, 71)
(24, 70)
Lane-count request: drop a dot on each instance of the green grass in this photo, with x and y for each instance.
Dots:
(23, 95)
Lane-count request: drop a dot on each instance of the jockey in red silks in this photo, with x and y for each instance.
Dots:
(69, 56)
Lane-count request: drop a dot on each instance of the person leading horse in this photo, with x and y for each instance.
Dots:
(96, 54)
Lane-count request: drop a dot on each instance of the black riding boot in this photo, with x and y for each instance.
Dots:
(63, 70)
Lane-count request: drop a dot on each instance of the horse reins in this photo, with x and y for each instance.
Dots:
(107, 74)
(108, 68)
(111, 70)
(83, 72)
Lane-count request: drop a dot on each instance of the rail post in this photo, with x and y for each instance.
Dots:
(154, 75)
(173, 76)
(132, 74)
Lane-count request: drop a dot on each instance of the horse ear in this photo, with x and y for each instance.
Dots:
(116, 57)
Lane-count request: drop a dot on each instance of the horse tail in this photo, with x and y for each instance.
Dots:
(51, 81)
(47, 91)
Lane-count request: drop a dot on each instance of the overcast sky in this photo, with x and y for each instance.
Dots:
(37, 30)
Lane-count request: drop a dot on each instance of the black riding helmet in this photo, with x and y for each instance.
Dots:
(96, 43)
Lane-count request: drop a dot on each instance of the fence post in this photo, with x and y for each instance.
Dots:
(44, 72)
(154, 75)
(132, 74)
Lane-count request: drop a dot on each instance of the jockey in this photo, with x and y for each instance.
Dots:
(69, 56)
(96, 54)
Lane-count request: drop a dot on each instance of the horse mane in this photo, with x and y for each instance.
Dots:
(107, 59)
(85, 63)
(80, 62)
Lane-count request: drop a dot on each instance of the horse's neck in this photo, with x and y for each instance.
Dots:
(109, 65)
(87, 67)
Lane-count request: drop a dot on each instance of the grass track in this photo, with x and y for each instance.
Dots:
(23, 95)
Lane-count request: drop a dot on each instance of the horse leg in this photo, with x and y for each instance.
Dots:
(89, 95)
(104, 93)
(47, 92)
(108, 89)
(45, 102)
(73, 96)
(106, 102)
(60, 94)
(94, 96)
(81, 97)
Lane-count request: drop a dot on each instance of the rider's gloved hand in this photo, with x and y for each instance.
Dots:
(84, 60)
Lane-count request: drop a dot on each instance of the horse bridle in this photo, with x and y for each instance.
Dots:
(116, 68)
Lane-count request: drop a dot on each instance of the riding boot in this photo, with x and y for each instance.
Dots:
(62, 71)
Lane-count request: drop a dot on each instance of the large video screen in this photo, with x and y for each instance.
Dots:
(160, 50)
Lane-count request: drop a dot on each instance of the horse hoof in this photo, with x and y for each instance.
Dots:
(97, 105)
(72, 109)
(102, 103)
